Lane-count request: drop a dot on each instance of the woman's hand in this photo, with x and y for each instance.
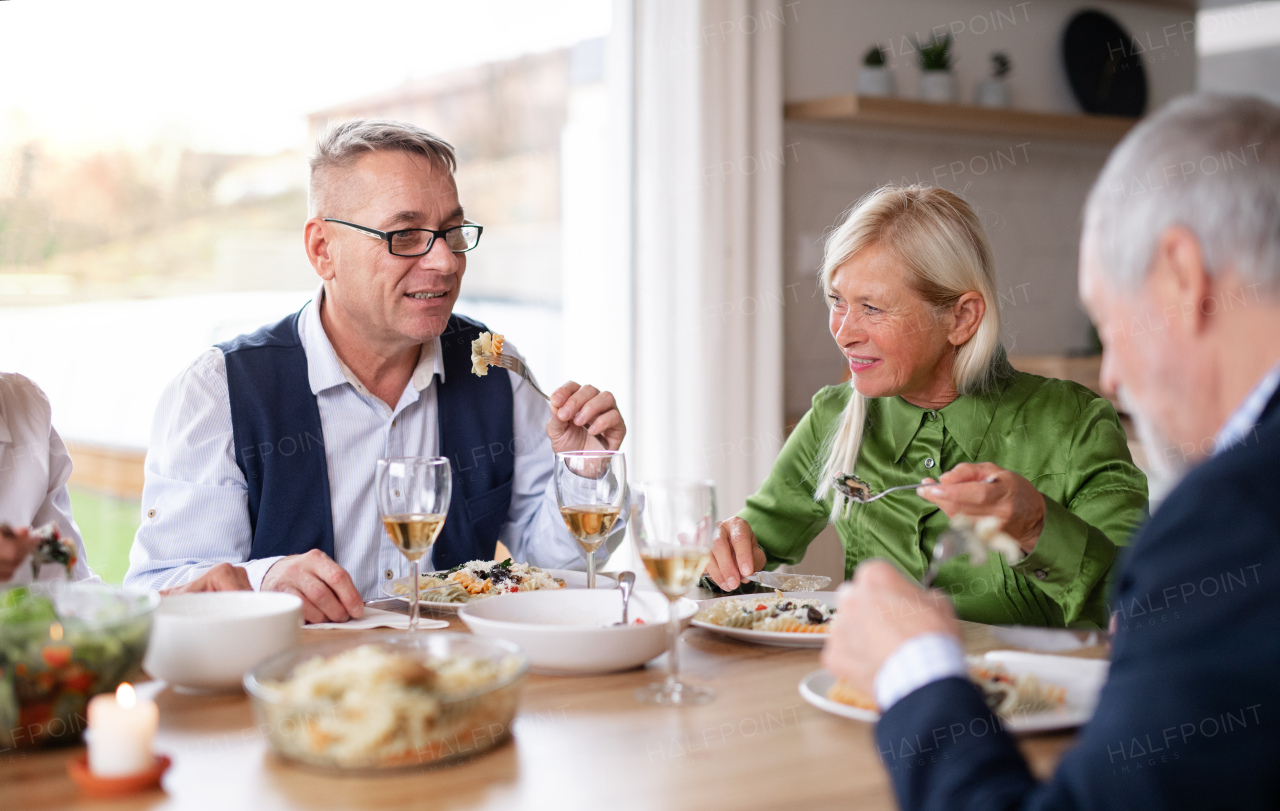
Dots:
(15, 546)
(734, 555)
(1011, 498)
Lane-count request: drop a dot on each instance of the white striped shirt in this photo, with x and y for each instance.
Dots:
(195, 501)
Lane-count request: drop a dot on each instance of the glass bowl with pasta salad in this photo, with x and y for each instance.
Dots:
(361, 705)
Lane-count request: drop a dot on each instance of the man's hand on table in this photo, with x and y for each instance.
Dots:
(327, 593)
(877, 612)
(583, 418)
(222, 577)
(15, 546)
(1011, 498)
(734, 555)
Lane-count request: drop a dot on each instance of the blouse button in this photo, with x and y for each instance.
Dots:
(933, 415)
(396, 493)
(388, 574)
(151, 513)
(928, 462)
(1041, 574)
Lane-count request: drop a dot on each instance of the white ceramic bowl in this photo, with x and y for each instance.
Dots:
(572, 631)
(207, 641)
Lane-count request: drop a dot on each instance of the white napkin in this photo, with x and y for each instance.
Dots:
(1048, 640)
(377, 618)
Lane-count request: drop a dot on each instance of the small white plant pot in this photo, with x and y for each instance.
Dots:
(877, 81)
(993, 93)
(939, 86)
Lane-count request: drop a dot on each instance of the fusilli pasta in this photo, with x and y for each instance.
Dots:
(777, 613)
(477, 579)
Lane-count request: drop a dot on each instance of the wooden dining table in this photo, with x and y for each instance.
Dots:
(576, 742)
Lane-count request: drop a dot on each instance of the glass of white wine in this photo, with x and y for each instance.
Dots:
(590, 488)
(413, 498)
(673, 525)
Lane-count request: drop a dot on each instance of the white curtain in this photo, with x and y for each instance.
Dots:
(708, 298)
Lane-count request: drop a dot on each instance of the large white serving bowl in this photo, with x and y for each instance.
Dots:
(207, 641)
(571, 631)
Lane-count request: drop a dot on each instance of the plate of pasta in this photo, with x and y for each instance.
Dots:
(795, 619)
(1031, 692)
(451, 589)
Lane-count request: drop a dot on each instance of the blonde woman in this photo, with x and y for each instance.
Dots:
(910, 283)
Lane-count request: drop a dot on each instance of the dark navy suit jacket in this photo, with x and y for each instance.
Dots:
(1190, 715)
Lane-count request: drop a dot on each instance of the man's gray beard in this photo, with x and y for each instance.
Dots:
(1166, 463)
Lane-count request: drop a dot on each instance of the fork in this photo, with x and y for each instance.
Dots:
(860, 492)
(513, 364)
(949, 544)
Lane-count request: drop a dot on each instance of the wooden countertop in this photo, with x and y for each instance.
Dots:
(578, 742)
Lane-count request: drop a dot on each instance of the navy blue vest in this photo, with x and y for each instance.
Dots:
(279, 445)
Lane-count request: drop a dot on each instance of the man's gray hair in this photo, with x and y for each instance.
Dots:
(345, 143)
(1208, 163)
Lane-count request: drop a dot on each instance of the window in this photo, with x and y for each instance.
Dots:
(153, 188)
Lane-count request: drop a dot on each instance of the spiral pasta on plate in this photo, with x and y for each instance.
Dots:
(778, 613)
(1006, 695)
(477, 579)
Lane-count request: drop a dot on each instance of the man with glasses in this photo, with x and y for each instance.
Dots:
(263, 451)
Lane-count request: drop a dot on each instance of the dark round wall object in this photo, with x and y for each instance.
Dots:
(1104, 65)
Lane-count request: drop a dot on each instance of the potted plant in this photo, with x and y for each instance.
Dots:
(876, 79)
(994, 91)
(937, 82)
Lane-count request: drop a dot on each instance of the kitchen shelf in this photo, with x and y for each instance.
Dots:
(919, 116)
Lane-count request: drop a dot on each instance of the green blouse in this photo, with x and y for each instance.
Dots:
(1065, 439)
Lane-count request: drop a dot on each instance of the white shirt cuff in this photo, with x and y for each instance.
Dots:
(257, 569)
(919, 661)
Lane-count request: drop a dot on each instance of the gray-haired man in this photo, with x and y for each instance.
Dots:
(263, 451)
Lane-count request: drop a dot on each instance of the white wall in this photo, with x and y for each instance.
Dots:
(1255, 71)
(1239, 47)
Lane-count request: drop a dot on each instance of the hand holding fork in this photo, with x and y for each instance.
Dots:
(585, 418)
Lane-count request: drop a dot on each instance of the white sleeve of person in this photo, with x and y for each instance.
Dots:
(920, 660)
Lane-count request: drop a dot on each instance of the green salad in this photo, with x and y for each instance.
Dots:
(60, 646)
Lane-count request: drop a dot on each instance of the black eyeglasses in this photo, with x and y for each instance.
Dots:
(418, 241)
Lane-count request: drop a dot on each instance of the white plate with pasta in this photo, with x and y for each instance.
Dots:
(1073, 685)
(449, 599)
(796, 619)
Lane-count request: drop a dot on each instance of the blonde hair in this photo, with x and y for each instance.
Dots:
(936, 236)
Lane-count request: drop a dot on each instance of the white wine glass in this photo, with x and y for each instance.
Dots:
(590, 488)
(413, 498)
(673, 525)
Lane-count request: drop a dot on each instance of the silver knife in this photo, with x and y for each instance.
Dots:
(783, 581)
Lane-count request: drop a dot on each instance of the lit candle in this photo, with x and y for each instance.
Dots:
(120, 731)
